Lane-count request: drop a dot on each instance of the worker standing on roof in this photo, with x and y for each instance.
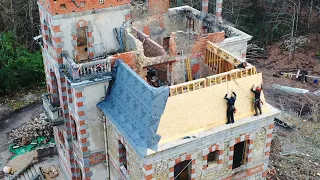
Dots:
(257, 101)
(231, 109)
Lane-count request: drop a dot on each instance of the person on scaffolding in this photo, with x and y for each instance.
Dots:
(231, 109)
(257, 101)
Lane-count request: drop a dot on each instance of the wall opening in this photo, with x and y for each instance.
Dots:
(82, 43)
(80, 171)
(48, 30)
(239, 156)
(182, 171)
(122, 155)
(75, 133)
(212, 158)
(158, 75)
(63, 6)
(165, 44)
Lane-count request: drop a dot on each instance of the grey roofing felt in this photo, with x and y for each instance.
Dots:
(135, 108)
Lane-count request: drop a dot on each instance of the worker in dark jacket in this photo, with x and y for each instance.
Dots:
(231, 108)
(257, 101)
(242, 65)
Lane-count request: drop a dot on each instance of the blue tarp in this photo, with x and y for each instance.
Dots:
(135, 108)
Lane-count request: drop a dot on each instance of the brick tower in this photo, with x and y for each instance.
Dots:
(77, 35)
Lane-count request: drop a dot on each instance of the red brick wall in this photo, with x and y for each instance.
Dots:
(97, 158)
(200, 44)
(158, 6)
(55, 5)
(192, 43)
(128, 57)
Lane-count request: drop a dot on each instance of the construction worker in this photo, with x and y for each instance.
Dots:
(242, 65)
(231, 109)
(257, 102)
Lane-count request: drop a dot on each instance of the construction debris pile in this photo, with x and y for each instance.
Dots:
(33, 129)
(256, 52)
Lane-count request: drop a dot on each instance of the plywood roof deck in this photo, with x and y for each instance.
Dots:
(200, 103)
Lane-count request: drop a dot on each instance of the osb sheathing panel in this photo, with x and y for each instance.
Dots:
(206, 108)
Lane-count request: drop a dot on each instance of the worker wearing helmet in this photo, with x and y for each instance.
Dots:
(231, 109)
(257, 101)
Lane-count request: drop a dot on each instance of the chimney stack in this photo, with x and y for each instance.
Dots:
(205, 8)
(218, 11)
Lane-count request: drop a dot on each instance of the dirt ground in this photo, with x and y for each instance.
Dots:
(295, 153)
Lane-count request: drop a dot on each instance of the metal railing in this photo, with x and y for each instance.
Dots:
(88, 70)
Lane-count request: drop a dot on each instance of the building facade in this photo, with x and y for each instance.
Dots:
(135, 91)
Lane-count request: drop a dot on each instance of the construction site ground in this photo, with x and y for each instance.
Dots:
(295, 152)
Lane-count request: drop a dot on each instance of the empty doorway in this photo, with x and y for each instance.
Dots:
(82, 46)
(239, 156)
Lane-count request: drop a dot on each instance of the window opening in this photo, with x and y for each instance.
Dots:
(182, 171)
(122, 155)
(212, 158)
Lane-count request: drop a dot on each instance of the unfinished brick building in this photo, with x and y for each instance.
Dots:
(135, 91)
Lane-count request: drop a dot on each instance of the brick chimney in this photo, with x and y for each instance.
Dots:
(218, 11)
(205, 4)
